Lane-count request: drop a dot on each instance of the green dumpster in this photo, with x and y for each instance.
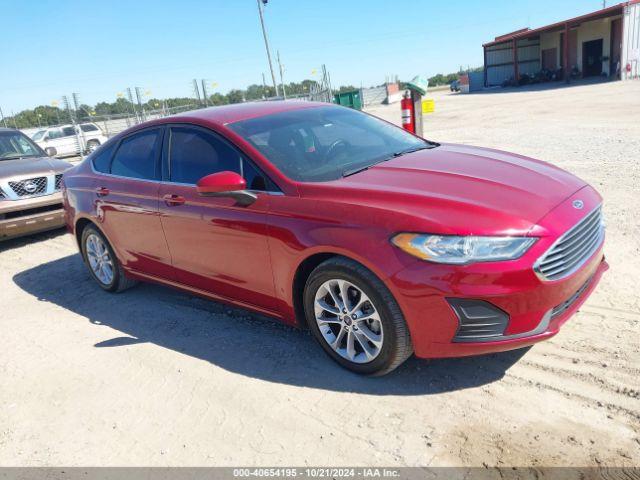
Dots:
(349, 99)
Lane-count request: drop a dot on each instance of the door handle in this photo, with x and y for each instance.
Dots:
(102, 191)
(173, 200)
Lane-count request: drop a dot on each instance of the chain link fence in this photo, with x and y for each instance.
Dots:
(85, 131)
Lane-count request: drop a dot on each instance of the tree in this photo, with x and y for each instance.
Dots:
(218, 99)
(235, 96)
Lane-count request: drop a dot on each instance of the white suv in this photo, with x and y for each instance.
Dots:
(63, 141)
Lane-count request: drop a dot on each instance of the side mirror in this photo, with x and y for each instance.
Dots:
(226, 184)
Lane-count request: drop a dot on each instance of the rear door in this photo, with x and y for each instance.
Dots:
(68, 143)
(127, 202)
(216, 245)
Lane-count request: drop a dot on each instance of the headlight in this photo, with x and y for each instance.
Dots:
(462, 250)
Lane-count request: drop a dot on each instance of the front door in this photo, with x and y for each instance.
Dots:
(592, 58)
(216, 245)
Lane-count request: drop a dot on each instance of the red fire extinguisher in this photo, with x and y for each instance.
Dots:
(407, 113)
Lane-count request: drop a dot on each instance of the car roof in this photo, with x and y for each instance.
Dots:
(236, 112)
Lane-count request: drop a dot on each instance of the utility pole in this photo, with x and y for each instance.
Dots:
(4, 121)
(196, 90)
(74, 120)
(76, 103)
(266, 43)
(284, 92)
(604, 4)
(133, 106)
(139, 98)
(204, 92)
(264, 87)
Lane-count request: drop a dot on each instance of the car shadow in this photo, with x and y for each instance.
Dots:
(540, 87)
(238, 340)
(12, 243)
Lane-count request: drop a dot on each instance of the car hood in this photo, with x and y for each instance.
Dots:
(462, 189)
(32, 166)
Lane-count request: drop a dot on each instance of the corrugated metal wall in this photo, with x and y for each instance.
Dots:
(529, 56)
(476, 80)
(631, 42)
(499, 60)
(499, 63)
(374, 96)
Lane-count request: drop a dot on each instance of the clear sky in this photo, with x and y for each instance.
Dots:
(52, 48)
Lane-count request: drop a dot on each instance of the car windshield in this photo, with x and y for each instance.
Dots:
(325, 143)
(14, 144)
(38, 135)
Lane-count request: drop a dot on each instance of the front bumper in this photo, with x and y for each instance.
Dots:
(24, 217)
(431, 295)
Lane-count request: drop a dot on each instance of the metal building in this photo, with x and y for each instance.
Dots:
(602, 43)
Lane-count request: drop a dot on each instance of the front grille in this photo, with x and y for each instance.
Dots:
(574, 248)
(564, 306)
(58, 181)
(29, 187)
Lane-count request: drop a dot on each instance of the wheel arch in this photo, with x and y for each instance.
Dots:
(79, 227)
(307, 265)
(82, 223)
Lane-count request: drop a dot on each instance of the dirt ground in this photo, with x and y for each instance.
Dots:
(155, 377)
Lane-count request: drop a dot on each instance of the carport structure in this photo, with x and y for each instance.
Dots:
(601, 43)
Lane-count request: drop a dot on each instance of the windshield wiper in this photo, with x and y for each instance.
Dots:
(429, 146)
(415, 149)
(353, 171)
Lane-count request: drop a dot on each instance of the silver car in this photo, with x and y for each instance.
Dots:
(30, 198)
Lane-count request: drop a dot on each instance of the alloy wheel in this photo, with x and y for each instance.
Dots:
(99, 259)
(348, 321)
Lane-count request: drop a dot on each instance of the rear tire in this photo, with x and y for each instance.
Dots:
(367, 334)
(104, 266)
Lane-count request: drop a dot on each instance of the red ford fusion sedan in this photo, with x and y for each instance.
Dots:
(383, 244)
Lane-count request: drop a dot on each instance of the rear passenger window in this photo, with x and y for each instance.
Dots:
(68, 131)
(137, 155)
(195, 154)
(102, 158)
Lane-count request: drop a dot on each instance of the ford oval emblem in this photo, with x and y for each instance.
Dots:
(578, 204)
(30, 187)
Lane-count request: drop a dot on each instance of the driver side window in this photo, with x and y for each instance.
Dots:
(194, 153)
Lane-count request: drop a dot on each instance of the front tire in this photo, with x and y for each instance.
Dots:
(355, 318)
(104, 266)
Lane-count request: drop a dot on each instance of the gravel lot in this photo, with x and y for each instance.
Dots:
(155, 377)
